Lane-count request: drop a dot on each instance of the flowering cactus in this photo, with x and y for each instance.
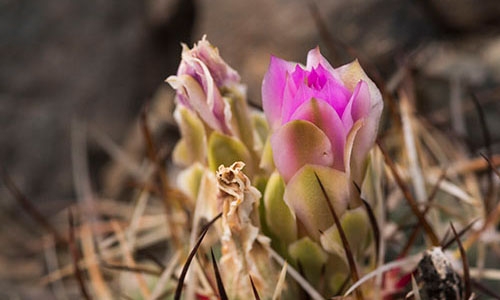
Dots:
(216, 124)
(323, 121)
(320, 115)
(200, 76)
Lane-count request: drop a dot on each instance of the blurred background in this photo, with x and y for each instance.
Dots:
(101, 61)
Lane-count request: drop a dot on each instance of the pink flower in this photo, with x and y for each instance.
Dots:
(201, 77)
(320, 115)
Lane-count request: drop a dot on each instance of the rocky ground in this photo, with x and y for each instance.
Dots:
(100, 61)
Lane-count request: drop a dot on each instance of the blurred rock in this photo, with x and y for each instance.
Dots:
(248, 32)
(97, 61)
(455, 38)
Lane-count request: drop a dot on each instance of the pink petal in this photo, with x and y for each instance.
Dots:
(351, 74)
(298, 143)
(363, 143)
(314, 58)
(358, 106)
(361, 101)
(208, 55)
(205, 66)
(349, 144)
(331, 91)
(354, 170)
(336, 95)
(293, 97)
(273, 87)
(325, 118)
(191, 89)
(222, 73)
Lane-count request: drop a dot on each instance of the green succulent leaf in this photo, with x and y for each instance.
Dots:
(241, 122)
(311, 258)
(261, 129)
(304, 196)
(189, 180)
(225, 150)
(266, 160)
(298, 143)
(193, 144)
(279, 218)
(357, 230)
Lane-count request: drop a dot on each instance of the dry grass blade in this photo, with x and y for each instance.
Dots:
(484, 126)
(161, 172)
(220, 284)
(29, 207)
(135, 269)
(491, 220)
(182, 277)
(467, 292)
(165, 276)
(410, 145)
(492, 167)
(81, 173)
(138, 212)
(343, 237)
(414, 287)
(254, 290)
(129, 259)
(489, 199)
(76, 257)
(117, 154)
(96, 277)
(375, 228)
(484, 289)
(460, 234)
(146, 132)
(434, 191)
(409, 198)
(280, 285)
(490, 274)
(297, 277)
(151, 237)
(408, 261)
(52, 263)
(414, 234)
(83, 188)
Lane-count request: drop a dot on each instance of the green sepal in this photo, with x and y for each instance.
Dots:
(357, 229)
(305, 197)
(279, 218)
(225, 150)
(241, 122)
(189, 180)
(261, 130)
(266, 160)
(193, 144)
(311, 258)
